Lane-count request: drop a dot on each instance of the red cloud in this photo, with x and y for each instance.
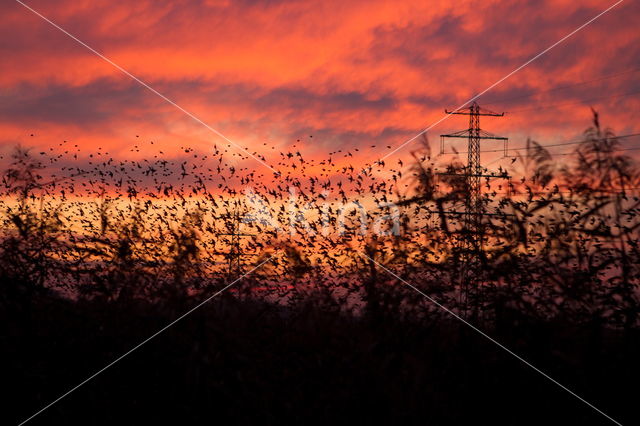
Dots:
(350, 73)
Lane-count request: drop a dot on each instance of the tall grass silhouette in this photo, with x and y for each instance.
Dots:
(96, 253)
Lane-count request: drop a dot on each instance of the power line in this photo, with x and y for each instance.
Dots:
(609, 191)
(579, 142)
(556, 144)
(562, 154)
(566, 86)
(577, 102)
(572, 153)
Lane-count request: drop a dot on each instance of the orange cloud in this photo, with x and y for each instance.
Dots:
(352, 74)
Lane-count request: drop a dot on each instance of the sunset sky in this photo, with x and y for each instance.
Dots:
(349, 73)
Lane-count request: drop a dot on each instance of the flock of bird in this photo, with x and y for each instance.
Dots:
(191, 214)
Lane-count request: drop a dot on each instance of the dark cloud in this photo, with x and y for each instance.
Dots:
(96, 102)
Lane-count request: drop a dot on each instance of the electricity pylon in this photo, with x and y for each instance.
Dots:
(235, 254)
(474, 204)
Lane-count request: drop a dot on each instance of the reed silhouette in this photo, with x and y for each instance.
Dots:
(98, 253)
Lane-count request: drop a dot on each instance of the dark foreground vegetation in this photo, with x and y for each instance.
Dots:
(248, 362)
(322, 333)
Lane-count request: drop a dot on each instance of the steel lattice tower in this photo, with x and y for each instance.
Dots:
(474, 203)
(474, 208)
(235, 254)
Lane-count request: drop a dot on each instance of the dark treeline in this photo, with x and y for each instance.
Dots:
(96, 256)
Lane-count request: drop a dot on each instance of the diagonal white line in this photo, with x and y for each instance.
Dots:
(127, 73)
(444, 117)
(205, 301)
(447, 310)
